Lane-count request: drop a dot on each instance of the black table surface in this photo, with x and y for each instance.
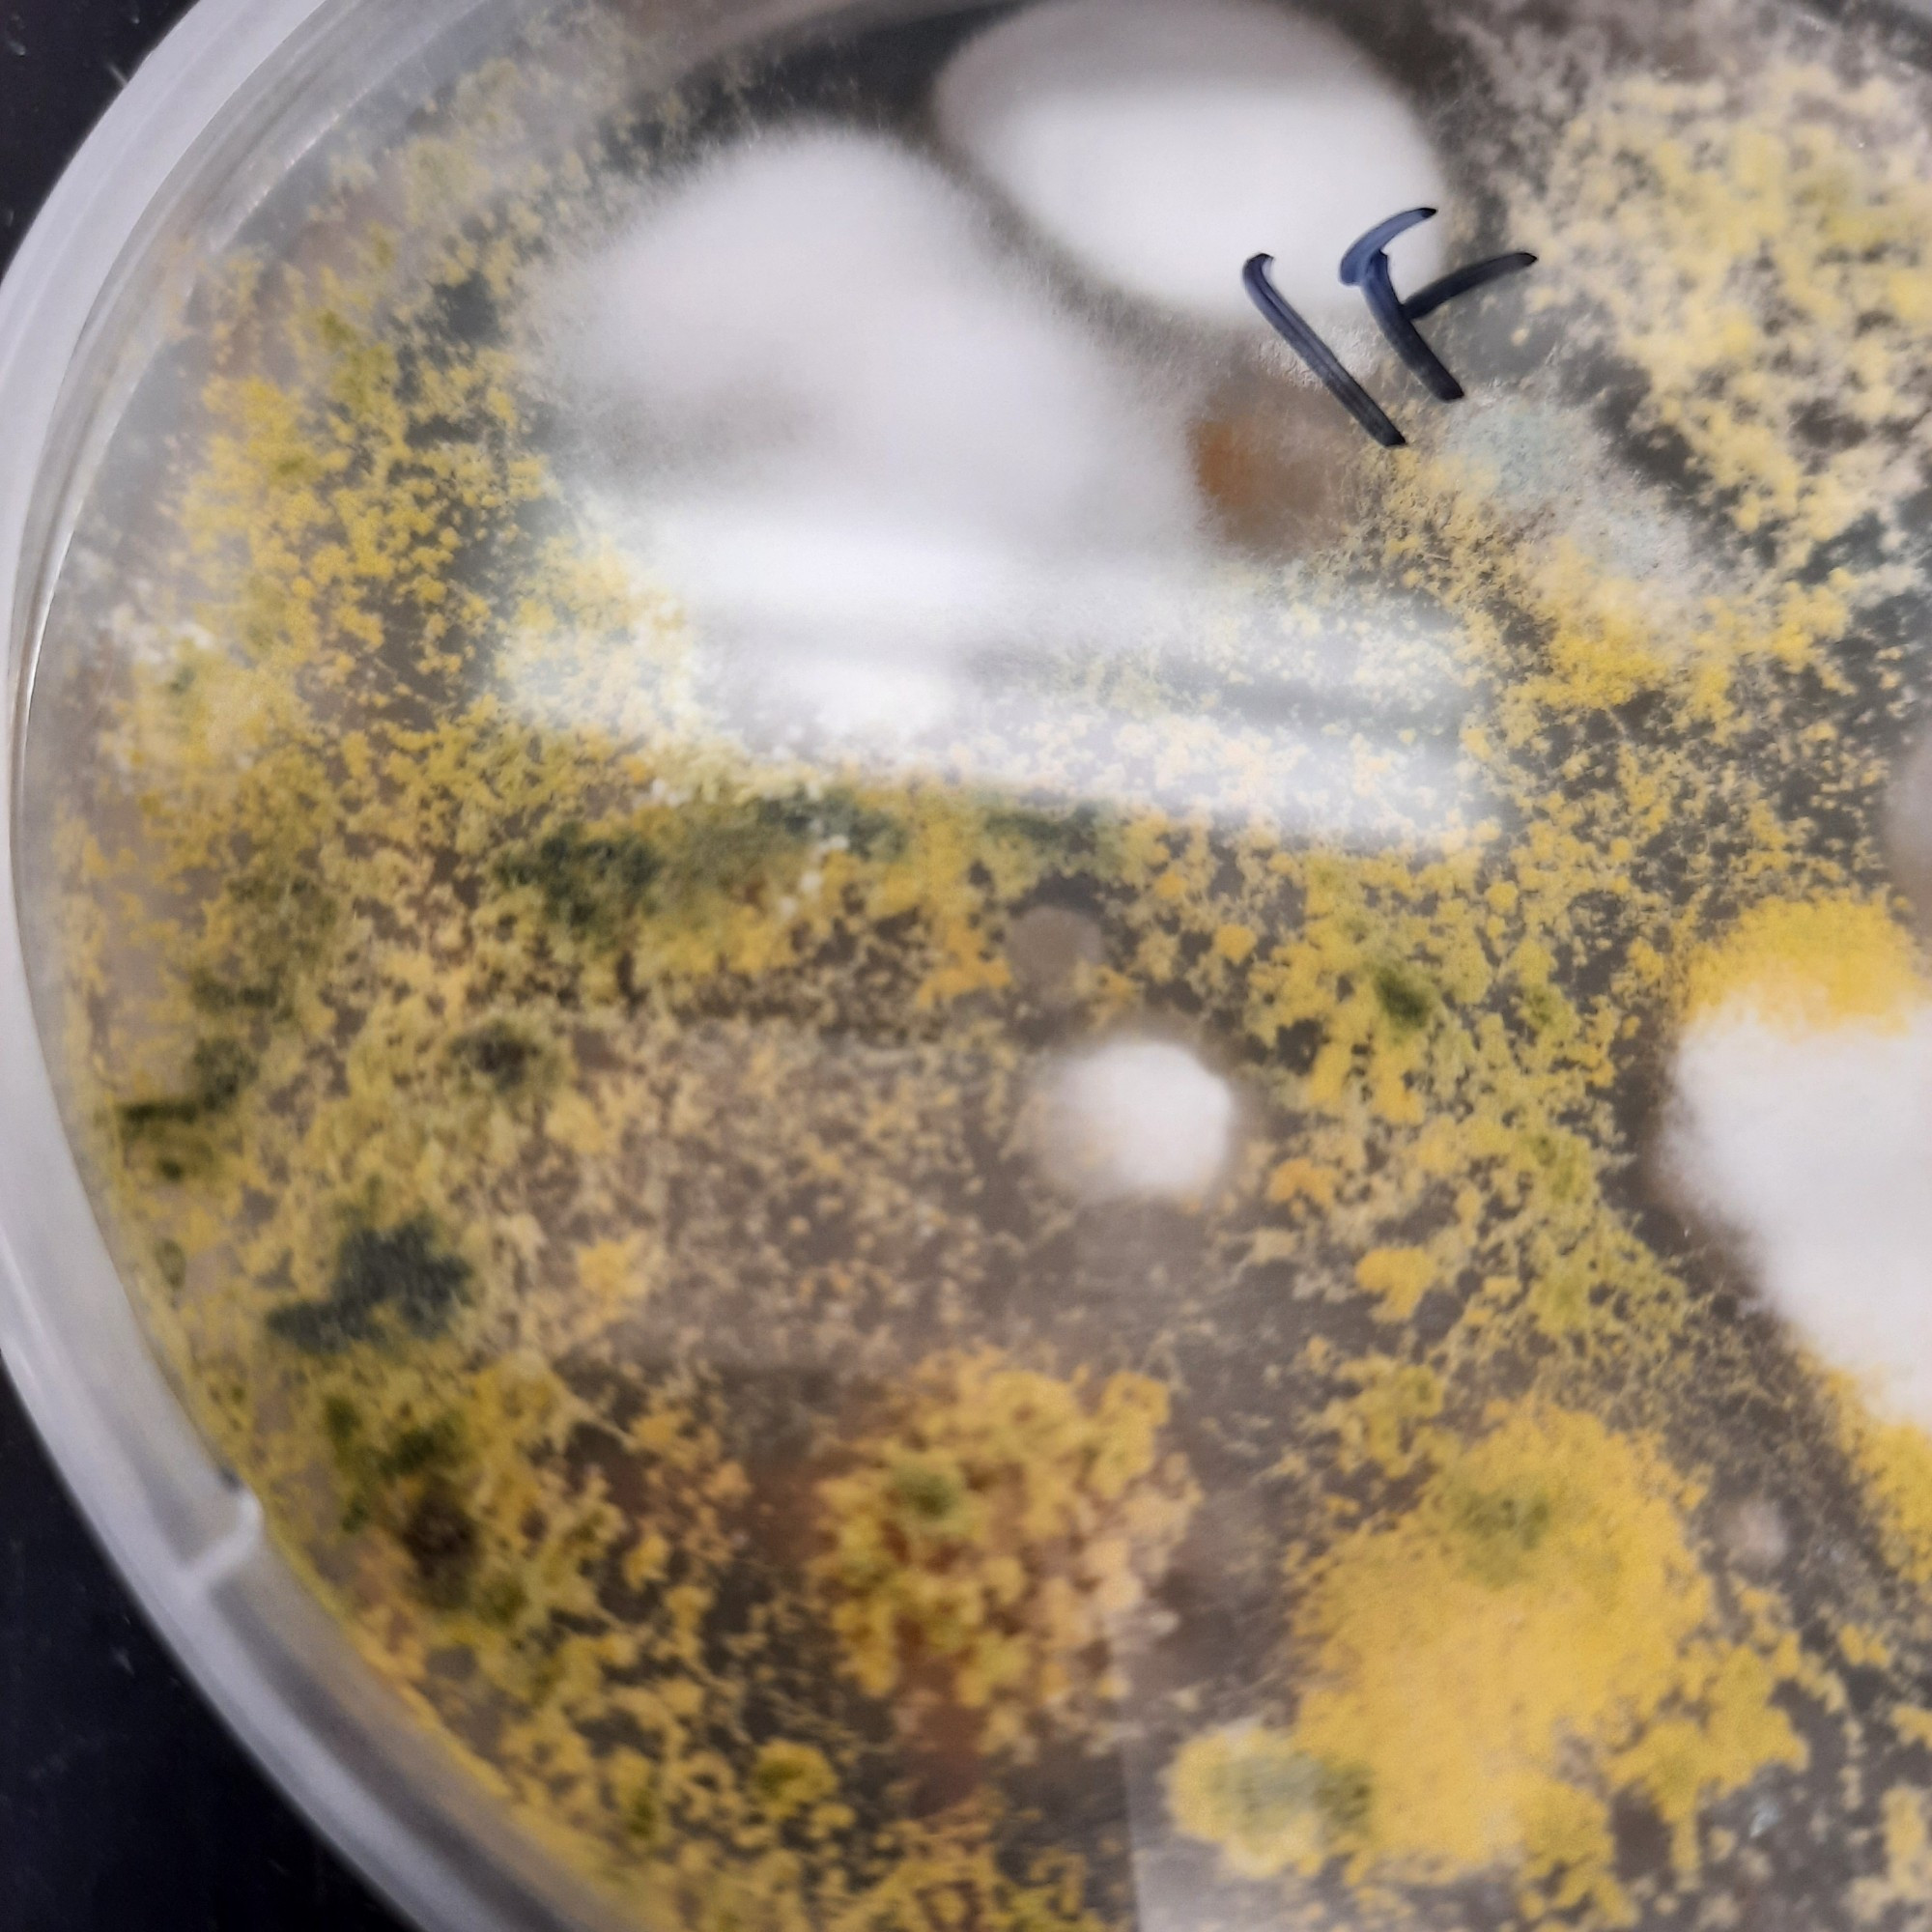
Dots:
(124, 1806)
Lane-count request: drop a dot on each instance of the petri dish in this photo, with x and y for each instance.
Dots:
(849, 1091)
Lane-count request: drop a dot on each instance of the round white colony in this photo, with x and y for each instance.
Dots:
(1816, 1152)
(823, 314)
(1137, 1118)
(860, 436)
(1163, 142)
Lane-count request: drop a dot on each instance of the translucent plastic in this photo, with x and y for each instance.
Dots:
(216, 120)
(1130, 1168)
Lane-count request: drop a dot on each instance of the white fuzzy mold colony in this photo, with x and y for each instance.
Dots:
(1137, 1120)
(912, 495)
(1554, 479)
(1161, 145)
(866, 424)
(818, 323)
(1815, 1151)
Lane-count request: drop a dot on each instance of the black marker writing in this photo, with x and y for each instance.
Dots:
(1318, 356)
(1366, 267)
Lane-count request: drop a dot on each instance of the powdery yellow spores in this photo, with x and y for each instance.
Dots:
(1534, 1635)
(1802, 965)
(1398, 1277)
(1256, 1795)
(996, 1532)
(1894, 1461)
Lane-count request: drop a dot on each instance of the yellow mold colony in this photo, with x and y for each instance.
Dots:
(1804, 966)
(579, 1170)
(999, 1540)
(1484, 1675)
(1894, 1462)
(1400, 1276)
(1740, 234)
(1260, 1799)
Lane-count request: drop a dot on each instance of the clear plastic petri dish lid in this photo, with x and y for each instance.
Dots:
(894, 1045)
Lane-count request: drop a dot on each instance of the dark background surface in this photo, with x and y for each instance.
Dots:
(124, 1806)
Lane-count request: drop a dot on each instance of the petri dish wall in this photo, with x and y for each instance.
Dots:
(849, 1091)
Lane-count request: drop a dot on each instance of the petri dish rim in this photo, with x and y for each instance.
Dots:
(184, 1534)
(216, 119)
(237, 79)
